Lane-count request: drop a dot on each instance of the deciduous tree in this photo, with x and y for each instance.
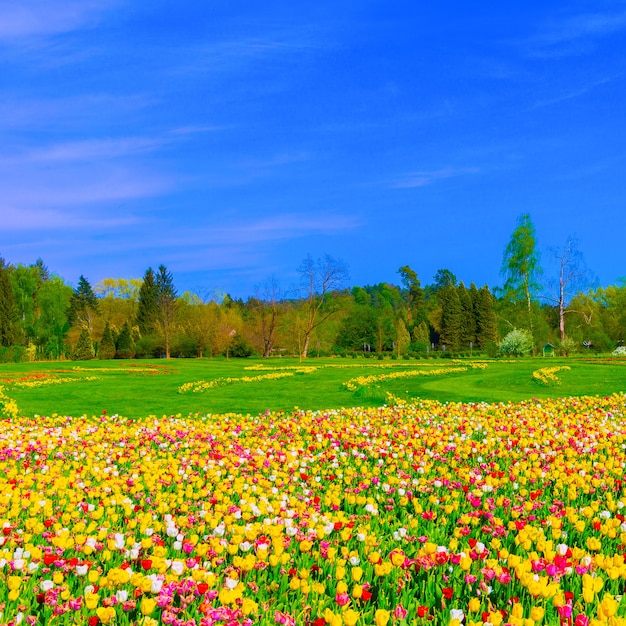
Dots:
(520, 266)
(572, 277)
(415, 295)
(318, 278)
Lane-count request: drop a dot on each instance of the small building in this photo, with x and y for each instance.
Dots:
(548, 349)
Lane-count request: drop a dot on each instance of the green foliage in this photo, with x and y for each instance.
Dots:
(147, 309)
(13, 354)
(486, 321)
(25, 281)
(106, 348)
(83, 304)
(520, 264)
(166, 305)
(568, 346)
(125, 347)
(51, 326)
(421, 334)
(403, 339)
(84, 346)
(9, 327)
(239, 348)
(444, 278)
(149, 347)
(519, 342)
(451, 316)
(357, 329)
(467, 333)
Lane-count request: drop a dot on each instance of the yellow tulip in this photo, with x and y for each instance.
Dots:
(350, 617)
(147, 606)
(91, 600)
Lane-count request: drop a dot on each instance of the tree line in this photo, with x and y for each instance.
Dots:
(42, 317)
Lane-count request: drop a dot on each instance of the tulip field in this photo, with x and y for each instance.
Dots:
(415, 511)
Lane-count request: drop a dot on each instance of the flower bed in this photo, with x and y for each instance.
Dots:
(547, 375)
(422, 514)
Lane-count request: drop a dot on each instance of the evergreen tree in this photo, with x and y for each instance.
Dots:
(84, 346)
(444, 278)
(451, 316)
(166, 305)
(9, 319)
(468, 322)
(403, 339)
(421, 335)
(106, 349)
(486, 320)
(42, 269)
(83, 304)
(147, 309)
(125, 347)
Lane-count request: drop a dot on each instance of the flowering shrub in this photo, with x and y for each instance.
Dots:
(441, 514)
(517, 343)
(547, 375)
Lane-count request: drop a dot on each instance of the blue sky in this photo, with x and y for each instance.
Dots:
(228, 140)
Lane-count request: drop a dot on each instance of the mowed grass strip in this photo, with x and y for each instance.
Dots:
(140, 388)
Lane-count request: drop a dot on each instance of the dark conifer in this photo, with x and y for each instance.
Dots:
(106, 349)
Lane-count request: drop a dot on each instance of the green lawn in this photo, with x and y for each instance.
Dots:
(140, 388)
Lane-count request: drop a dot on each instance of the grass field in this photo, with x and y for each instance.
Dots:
(432, 512)
(141, 388)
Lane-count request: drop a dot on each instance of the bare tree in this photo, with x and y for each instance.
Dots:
(573, 277)
(267, 312)
(319, 278)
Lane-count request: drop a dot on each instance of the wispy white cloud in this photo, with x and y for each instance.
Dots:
(427, 177)
(70, 112)
(33, 18)
(278, 160)
(29, 220)
(574, 35)
(87, 150)
(570, 95)
(84, 190)
(287, 226)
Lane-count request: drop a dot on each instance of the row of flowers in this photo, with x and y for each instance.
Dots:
(302, 369)
(45, 382)
(363, 381)
(444, 514)
(8, 406)
(547, 375)
(200, 386)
